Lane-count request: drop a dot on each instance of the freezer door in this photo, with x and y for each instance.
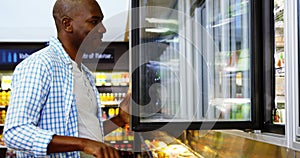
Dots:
(192, 64)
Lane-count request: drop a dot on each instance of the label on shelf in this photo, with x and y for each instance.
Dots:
(112, 78)
(6, 82)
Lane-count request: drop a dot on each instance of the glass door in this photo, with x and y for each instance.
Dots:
(295, 68)
(279, 55)
(196, 64)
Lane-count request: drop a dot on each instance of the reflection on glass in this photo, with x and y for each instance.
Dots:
(279, 107)
(195, 60)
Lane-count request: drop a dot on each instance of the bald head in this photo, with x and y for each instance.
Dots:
(67, 8)
(74, 20)
(62, 8)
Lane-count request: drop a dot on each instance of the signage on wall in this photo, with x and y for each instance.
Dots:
(14, 56)
(105, 57)
(12, 53)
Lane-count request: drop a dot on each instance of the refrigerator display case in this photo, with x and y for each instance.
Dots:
(196, 65)
(279, 55)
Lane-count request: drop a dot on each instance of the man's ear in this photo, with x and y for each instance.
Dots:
(67, 24)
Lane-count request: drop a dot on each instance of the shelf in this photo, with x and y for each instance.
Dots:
(280, 45)
(222, 101)
(115, 86)
(2, 147)
(119, 141)
(112, 85)
(109, 106)
(110, 103)
(277, 123)
(112, 89)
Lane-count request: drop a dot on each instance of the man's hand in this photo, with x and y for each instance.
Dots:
(67, 144)
(99, 150)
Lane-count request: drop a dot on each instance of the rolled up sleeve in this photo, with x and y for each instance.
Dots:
(28, 94)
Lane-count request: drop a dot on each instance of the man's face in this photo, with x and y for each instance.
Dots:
(87, 26)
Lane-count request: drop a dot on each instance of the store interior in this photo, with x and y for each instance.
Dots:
(223, 72)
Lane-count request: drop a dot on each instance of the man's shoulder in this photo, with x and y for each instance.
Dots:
(44, 55)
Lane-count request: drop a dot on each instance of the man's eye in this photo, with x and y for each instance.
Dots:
(95, 22)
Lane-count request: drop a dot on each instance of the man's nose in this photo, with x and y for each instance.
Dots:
(101, 28)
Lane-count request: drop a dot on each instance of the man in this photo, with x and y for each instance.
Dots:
(54, 106)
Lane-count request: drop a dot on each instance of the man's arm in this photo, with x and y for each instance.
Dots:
(68, 144)
(112, 124)
(121, 119)
(29, 89)
(98, 149)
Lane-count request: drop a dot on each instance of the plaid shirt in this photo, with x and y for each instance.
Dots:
(42, 103)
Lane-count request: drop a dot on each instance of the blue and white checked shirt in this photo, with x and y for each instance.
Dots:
(42, 102)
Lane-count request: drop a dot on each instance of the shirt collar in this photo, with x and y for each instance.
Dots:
(54, 42)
